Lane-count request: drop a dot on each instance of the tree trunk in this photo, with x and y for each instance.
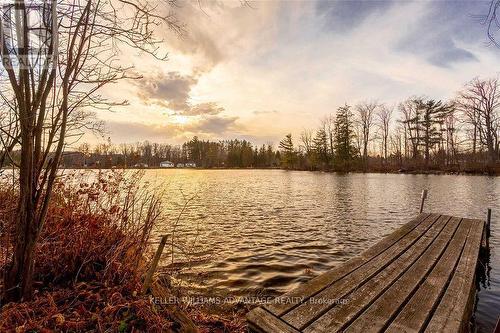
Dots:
(385, 148)
(474, 140)
(427, 153)
(489, 140)
(19, 276)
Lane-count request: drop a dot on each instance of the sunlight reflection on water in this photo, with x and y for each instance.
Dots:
(263, 232)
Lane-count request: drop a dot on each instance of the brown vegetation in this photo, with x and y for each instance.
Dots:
(90, 260)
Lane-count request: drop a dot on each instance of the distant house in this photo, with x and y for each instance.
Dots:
(180, 165)
(190, 165)
(73, 159)
(166, 164)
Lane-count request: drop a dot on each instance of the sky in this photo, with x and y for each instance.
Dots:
(260, 71)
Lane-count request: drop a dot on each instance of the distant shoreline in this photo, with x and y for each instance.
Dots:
(399, 171)
(495, 172)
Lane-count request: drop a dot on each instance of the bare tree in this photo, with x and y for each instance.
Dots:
(84, 149)
(492, 22)
(56, 65)
(358, 138)
(397, 144)
(469, 109)
(452, 140)
(480, 102)
(306, 137)
(9, 131)
(384, 122)
(365, 118)
(125, 150)
(328, 124)
(410, 116)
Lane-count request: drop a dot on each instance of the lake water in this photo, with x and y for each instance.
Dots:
(264, 232)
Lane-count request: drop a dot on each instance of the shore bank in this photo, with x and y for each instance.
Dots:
(90, 262)
(494, 171)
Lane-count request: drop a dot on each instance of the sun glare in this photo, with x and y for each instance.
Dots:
(182, 120)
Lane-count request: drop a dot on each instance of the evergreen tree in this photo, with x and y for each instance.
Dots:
(345, 150)
(193, 150)
(287, 152)
(433, 115)
(320, 146)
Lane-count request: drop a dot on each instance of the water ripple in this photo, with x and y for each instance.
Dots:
(264, 232)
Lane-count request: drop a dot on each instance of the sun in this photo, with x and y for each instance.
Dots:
(181, 120)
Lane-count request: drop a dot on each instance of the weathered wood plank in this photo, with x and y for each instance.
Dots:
(307, 312)
(261, 320)
(318, 283)
(341, 315)
(381, 312)
(456, 306)
(414, 315)
(422, 278)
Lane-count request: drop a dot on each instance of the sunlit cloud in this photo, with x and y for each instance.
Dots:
(170, 90)
(278, 67)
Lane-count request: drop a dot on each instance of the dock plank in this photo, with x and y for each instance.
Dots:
(419, 309)
(263, 321)
(320, 282)
(307, 312)
(381, 312)
(420, 277)
(341, 315)
(454, 308)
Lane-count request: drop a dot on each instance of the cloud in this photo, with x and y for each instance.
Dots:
(172, 90)
(440, 33)
(343, 16)
(450, 55)
(259, 112)
(197, 39)
(132, 131)
(217, 30)
(213, 125)
(438, 48)
(209, 108)
(304, 58)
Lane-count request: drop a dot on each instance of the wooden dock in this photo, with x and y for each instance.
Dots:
(419, 278)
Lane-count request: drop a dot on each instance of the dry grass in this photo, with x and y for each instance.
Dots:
(91, 259)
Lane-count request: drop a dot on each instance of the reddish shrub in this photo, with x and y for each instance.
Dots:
(90, 258)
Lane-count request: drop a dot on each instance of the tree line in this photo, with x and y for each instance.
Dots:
(417, 134)
(204, 153)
